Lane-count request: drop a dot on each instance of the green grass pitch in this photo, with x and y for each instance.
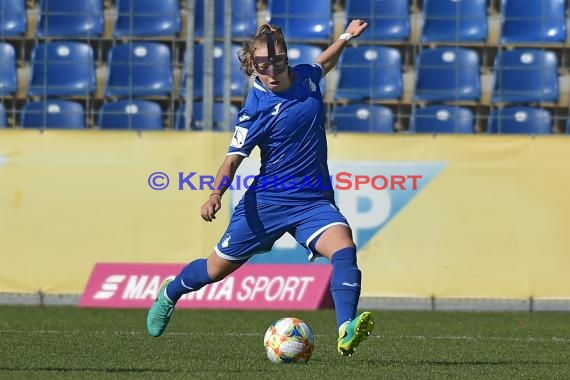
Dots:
(68, 342)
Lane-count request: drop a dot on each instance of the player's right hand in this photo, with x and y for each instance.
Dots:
(211, 207)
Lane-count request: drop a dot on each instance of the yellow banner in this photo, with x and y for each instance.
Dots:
(492, 223)
(71, 199)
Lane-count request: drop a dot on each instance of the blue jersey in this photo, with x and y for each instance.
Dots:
(289, 128)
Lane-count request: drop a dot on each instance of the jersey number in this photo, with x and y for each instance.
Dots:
(276, 109)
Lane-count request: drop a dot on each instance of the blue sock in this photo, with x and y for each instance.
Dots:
(193, 277)
(345, 284)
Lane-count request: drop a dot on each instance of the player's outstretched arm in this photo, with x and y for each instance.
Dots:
(224, 177)
(329, 58)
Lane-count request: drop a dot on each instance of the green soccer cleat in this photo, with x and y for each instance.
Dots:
(353, 332)
(160, 312)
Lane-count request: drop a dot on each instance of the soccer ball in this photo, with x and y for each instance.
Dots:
(289, 340)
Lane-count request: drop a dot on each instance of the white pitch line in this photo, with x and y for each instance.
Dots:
(188, 333)
(464, 337)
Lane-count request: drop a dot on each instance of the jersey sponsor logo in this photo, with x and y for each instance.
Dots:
(238, 138)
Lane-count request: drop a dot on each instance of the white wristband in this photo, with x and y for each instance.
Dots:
(345, 36)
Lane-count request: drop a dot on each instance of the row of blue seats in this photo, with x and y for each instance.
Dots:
(448, 74)
(136, 114)
(67, 68)
(134, 18)
(442, 118)
(147, 115)
(365, 72)
(529, 21)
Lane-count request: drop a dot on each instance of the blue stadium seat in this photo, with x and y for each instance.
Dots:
(139, 69)
(53, 113)
(8, 73)
(388, 20)
(197, 123)
(3, 120)
(62, 69)
(533, 21)
(302, 20)
(363, 118)
(243, 25)
(520, 120)
(447, 74)
(13, 18)
(64, 18)
(147, 18)
(442, 119)
(526, 75)
(568, 124)
(305, 53)
(454, 21)
(302, 53)
(131, 114)
(370, 72)
(238, 85)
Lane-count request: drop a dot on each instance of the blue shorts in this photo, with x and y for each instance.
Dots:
(255, 227)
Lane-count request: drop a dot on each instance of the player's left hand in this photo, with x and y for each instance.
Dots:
(356, 27)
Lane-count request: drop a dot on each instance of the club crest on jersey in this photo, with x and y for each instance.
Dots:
(238, 138)
(310, 85)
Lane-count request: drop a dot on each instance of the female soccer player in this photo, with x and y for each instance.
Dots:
(284, 115)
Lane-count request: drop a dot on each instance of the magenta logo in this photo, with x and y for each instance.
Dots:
(109, 287)
(253, 286)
